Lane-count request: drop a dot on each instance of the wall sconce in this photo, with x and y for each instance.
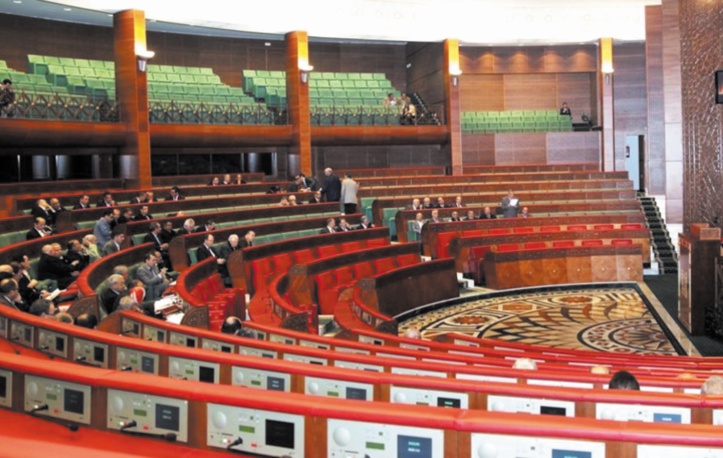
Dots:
(143, 56)
(455, 73)
(606, 58)
(305, 70)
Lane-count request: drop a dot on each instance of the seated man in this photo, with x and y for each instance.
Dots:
(143, 214)
(224, 252)
(364, 223)
(248, 240)
(106, 201)
(330, 227)
(167, 233)
(52, 266)
(43, 308)
(10, 296)
(624, 380)
(83, 203)
(91, 247)
(154, 236)
(76, 252)
(114, 245)
(39, 230)
(174, 194)
(206, 249)
(455, 216)
(153, 279)
(209, 225)
(487, 214)
(110, 298)
(470, 215)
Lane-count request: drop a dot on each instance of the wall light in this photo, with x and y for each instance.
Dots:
(143, 56)
(606, 56)
(455, 73)
(305, 71)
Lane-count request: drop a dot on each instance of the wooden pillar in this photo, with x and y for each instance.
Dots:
(132, 97)
(297, 98)
(699, 253)
(451, 91)
(606, 103)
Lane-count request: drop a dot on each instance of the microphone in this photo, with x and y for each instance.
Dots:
(44, 349)
(126, 369)
(82, 361)
(72, 427)
(238, 441)
(168, 437)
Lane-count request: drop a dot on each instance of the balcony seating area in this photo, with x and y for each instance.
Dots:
(522, 121)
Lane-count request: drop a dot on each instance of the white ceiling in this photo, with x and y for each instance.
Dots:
(473, 22)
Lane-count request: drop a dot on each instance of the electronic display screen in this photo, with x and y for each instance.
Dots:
(161, 336)
(318, 363)
(73, 401)
(356, 393)
(59, 344)
(190, 342)
(3, 387)
(275, 384)
(267, 355)
(225, 349)
(449, 402)
(414, 447)
(667, 418)
(136, 328)
(206, 374)
(148, 364)
(570, 454)
(280, 434)
(167, 417)
(27, 334)
(3, 324)
(549, 410)
(99, 354)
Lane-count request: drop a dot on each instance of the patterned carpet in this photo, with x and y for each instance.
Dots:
(614, 320)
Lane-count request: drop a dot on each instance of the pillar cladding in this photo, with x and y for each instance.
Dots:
(701, 52)
(129, 29)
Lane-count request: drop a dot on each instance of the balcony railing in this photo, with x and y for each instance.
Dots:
(63, 107)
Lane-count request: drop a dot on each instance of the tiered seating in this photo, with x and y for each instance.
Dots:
(84, 77)
(182, 84)
(498, 122)
(326, 89)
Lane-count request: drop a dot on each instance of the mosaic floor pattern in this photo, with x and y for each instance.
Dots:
(607, 320)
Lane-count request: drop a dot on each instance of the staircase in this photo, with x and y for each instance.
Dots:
(663, 248)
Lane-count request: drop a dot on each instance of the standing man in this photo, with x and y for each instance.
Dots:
(332, 186)
(349, 190)
(102, 229)
(510, 205)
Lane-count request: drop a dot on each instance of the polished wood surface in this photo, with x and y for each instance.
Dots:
(297, 56)
(517, 269)
(531, 148)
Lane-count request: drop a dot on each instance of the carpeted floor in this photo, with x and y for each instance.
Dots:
(606, 319)
(665, 288)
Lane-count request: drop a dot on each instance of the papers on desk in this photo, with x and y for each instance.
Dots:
(175, 318)
(55, 294)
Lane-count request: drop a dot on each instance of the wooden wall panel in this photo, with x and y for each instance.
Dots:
(630, 96)
(425, 75)
(530, 92)
(578, 90)
(520, 149)
(655, 149)
(570, 147)
(477, 60)
(482, 92)
(371, 156)
(478, 149)
(529, 59)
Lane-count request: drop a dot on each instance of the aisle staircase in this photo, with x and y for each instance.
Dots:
(663, 248)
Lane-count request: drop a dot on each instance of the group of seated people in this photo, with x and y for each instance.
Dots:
(227, 180)
(342, 225)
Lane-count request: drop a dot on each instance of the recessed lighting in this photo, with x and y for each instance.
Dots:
(67, 9)
(17, 1)
(267, 43)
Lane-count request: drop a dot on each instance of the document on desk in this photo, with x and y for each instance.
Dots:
(514, 202)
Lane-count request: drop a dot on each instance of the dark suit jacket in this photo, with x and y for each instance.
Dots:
(203, 252)
(101, 203)
(79, 207)
(170, 197)
(149, 238)
(50, 267)
(326, 230)
(109, 300)
(243, 243)
(140, 217)
(32, 234)
(224, 252)
(332, 188)
(490, 216)
(166, 236)
(83, 259)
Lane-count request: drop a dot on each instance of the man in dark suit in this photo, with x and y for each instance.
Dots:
(10, 296)
(330, 227)
(248, 240)
(167, 233)
(231, 245)
(455, 216)
(206, 249)
(139, 198)
(154, 236)
(189, 227)
(76, 252)
(56, 210)
(51, 266)
(83, 202)
(470, 215)
(39, 230)
(143, 214)
(41, 209)
(209, 225)
(487, 214)
(174, 194)
(364, 223)
(111, 296)
(106, 201)
(458, 202)
(332, 186)
(125, 217)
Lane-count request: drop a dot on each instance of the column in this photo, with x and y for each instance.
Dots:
(132, 95)
(298, 72)
(606, 103)
(452, 74)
